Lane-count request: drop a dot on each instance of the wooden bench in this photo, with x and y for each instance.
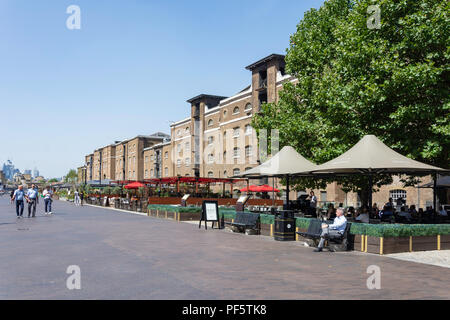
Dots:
(334, 244)
(246, 220)
(342, 243)
(314, 230)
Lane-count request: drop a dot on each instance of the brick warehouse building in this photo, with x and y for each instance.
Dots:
(217, 140)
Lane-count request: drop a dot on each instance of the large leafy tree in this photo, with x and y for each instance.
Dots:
(353, 80)
(71, 176)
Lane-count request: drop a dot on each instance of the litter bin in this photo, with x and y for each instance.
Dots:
(284, 226)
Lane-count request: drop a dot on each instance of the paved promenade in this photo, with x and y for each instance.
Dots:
(127, 256)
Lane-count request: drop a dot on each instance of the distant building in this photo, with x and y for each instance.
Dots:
(35, 173)
(2, 178)
(28, 171)
(9, 171)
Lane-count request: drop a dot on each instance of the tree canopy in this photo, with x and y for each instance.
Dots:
(353, 80)
(71, 176)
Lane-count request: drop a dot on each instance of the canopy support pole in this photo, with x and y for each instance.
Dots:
(273, 192)
(370, 192)
(287, 192)
(434, 194)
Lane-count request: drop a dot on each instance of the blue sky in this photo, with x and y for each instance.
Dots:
(128, 71)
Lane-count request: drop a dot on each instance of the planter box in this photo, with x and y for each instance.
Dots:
(265, 229)
(445, 242)
(424, 243)
(190, 216)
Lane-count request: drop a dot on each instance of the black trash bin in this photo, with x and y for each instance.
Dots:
(284, 226)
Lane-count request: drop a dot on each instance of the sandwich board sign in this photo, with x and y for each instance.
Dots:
(210, 212)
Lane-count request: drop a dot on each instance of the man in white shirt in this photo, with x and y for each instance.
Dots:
(335, 230)
(32, 198)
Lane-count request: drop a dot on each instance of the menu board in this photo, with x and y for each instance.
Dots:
(210, 212)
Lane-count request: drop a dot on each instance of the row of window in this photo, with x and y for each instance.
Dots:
(152, 157)
(152, 173)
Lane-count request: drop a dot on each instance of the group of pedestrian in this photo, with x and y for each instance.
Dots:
(31, 197)
(78, 198)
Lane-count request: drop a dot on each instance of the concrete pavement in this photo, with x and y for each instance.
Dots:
(127, 256)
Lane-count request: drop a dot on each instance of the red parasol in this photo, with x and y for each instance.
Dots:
(251, 188)
(266, 188)
(134, 185)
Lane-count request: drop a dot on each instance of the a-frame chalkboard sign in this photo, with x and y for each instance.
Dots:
(210, 212)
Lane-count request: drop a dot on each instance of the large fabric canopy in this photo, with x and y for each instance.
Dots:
(443, 182)
(370, 155)
(284, 163)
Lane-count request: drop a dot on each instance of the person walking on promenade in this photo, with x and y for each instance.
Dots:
(76, 198)
(81, 197)
(48, 194)
(32, 199)
(18, 197)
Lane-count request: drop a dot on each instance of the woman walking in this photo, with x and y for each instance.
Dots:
(48, 194)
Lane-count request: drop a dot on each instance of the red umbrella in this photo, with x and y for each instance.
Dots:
(134, 185)
(266, 188)
(251, 188)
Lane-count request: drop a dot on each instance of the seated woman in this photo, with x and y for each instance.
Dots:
(405, 214)
(442, 212)
(374, 212)
(363, 216)
(331, 213)
(351, 212)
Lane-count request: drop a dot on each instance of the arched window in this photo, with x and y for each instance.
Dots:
(236, 171)
(397, 194)
(248, 106)
(236, 110)
(210, 174)
(225, 174)
(187, 131)
(210, 122)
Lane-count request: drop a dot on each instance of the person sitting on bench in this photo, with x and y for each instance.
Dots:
(335, 230)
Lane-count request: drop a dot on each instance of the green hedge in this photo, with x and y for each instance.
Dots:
(373, 230)
(400, 230)
(267, 218)
(389, 230)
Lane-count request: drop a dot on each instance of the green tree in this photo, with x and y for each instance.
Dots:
(71, 176)
(391, 82)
